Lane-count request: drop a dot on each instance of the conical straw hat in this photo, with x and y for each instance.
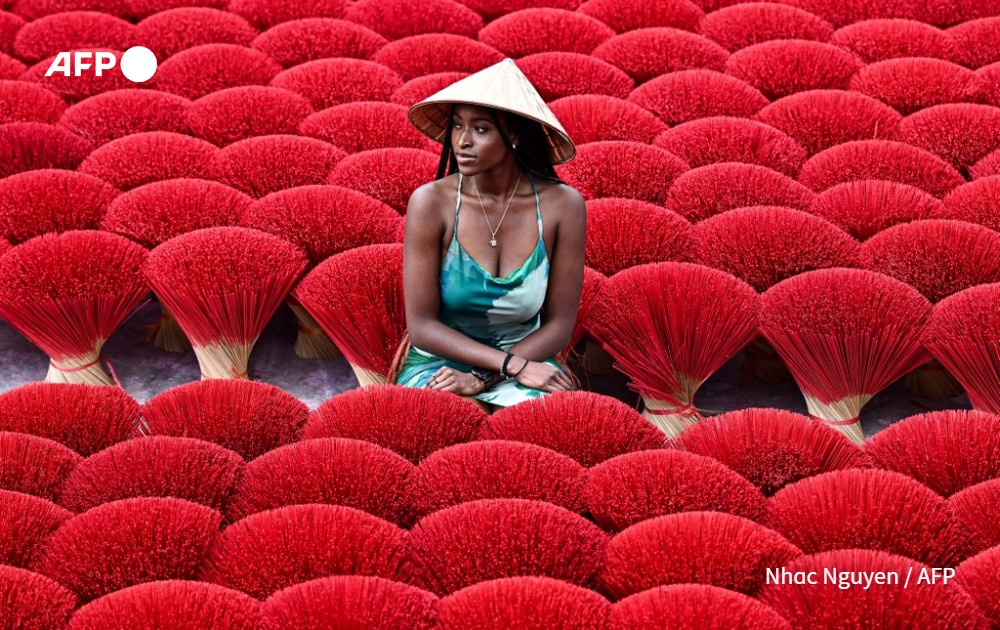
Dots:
(501, 86)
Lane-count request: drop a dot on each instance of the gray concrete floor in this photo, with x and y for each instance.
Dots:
(145, 371)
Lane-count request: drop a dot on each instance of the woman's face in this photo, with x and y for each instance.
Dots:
(475, 139)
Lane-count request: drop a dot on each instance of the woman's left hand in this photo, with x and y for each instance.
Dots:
(451, 380)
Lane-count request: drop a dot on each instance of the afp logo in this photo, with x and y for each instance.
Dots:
(137, 63)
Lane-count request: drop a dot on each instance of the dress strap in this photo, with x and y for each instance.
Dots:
(538, 205)
(458, 204)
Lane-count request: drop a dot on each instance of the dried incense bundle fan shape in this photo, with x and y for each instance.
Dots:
(684, 605)
(67, 293)
(938, 258)
(845, 335)
(176, 603)
(763, 245)
(596, 359)
(159, 211)
(669, 326)
(623, 233)
(964, 335)
(345, 601)
(33, 600)
(521, 602)
(772, 448)
(322, 220)
(222, 285)
(357, 298)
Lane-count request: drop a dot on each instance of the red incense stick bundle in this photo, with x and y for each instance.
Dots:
(119, 113)
(171, 604)
(937, 258)
(910, 84)
(496, 469)
(222, 285)
(669, 326)
(31, 600)
(51, 200)
(523, 602)
(586, 426)
(702, 547)
(887, 38)
(489, 539)
(159, 211)
(865, 207)
(845, 335)
(728, 139)
(869, 509)
(124, 543)
(67, 293)
(764, 245)
(964, 335)
(623, 233)
(684, 605)
(322, 220)
(228, 116)
(157, 466)
(409, 421)
(772, 447)
(519, 34)
(599, 118)
(357, 298)
(272, 550)
(331, 471)
(947, 451)
(351, 601)
(820, 119)
(783, 67)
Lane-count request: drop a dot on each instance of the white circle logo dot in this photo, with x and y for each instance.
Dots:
(138, 64)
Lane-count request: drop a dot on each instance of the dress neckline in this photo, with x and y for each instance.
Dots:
(531, 256)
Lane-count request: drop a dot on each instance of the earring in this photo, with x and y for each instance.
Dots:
(513, 146)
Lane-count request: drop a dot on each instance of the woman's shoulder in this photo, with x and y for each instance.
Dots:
(567, 199)
(430, 198)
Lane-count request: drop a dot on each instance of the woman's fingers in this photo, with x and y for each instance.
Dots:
(440, 378)
(560, 380)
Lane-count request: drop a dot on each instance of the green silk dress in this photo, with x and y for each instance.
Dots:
(498, 312)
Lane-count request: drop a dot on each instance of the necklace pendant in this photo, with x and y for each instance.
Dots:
(493, 242)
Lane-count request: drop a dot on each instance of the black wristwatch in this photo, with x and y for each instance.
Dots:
(485, 376)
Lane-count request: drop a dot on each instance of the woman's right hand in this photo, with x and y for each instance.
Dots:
(544, 376)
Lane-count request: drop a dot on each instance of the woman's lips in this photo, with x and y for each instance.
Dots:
(464, 159)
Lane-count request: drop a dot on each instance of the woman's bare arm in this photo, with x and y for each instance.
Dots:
(421, 273)
(562, 299)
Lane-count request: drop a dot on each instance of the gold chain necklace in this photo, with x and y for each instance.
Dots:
(493, 233)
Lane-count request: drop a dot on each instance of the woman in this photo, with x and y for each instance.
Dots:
(494, 249)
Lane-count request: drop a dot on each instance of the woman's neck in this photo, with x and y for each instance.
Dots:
(498, 181)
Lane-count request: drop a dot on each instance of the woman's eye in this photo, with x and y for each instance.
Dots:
(481, 129)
